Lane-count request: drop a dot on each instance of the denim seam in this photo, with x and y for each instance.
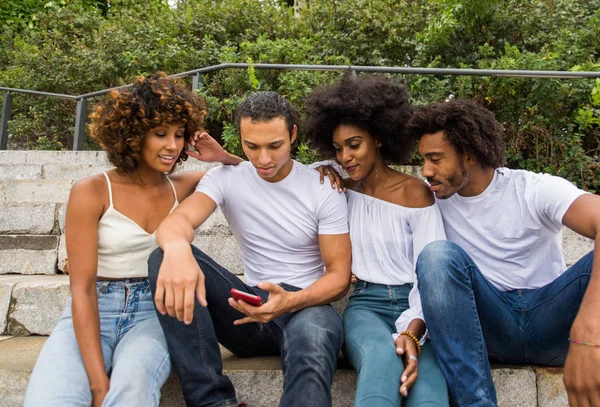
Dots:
(216, 267)
(158, 371)
(571, 281)
(285, 357)
(201, 334)
(482, 347)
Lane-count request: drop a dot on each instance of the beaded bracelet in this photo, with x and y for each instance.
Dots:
(594, 345)
(414, 338)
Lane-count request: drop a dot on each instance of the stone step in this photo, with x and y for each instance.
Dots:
(64, 165)
(31, 305)
(46, 253)
(258, 381)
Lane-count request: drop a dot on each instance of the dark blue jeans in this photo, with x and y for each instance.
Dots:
(308, 341)
(469, 320)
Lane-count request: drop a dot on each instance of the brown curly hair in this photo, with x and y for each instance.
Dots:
(120, 122)
(468, 126)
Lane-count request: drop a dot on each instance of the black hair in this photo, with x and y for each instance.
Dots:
(468, 126)
(375, 104)
(265, 106)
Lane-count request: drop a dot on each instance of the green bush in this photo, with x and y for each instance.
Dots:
(79, 46)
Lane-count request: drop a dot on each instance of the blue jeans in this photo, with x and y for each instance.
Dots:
(133, 346)
(369, 321)
(469, 320)
(308, 341)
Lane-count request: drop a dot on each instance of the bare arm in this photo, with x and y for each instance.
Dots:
(84, 209)
(336, 253)
(180, 279)
(581, 375)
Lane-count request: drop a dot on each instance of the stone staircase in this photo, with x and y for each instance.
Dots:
(34, 188)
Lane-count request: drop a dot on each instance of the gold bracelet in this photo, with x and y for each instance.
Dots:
(414, 338)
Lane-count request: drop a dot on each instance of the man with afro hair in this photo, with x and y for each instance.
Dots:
(499, 290)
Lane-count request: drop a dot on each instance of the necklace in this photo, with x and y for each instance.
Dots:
(375, 196)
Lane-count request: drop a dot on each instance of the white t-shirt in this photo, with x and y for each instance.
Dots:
(386, 241)
(512, 230)
(276, 225)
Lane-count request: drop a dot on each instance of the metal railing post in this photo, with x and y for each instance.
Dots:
(6, 113)
(196, 81)
(79, 139)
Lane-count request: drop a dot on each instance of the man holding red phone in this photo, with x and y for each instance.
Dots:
(293, 234)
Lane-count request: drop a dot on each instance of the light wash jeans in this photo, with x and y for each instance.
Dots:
(369, 321)
(469, 320)
(133, 345)
(308, 341)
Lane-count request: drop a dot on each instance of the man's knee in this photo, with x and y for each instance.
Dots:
(435, 260)
(319, 331)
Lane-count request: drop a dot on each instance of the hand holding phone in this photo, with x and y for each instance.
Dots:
(249, 298)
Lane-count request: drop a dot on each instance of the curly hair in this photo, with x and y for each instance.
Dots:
(468, 126)
(265, 106)
(375, 104)
(120, 122)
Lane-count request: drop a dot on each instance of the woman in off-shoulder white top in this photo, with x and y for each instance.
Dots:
(392, 216)
(108, 347)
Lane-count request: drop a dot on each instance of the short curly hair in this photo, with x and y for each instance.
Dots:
(120, 122)
(468, 126)
(375, 104)
(265, 106)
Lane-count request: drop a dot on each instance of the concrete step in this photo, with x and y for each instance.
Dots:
(258, 381)
(31, 305)
(64, 165)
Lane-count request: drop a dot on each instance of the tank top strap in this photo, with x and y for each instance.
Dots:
(110, 188)
(173, 187)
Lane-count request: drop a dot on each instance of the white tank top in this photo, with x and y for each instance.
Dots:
(123, 245)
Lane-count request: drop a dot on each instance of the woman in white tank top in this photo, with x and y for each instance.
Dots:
(108, 348)
(392, 216)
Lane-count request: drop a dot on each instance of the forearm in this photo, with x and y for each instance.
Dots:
(175, 230)
(590, 304)
(330, 287)
(86, 323)
(417, 327)
(231, 159)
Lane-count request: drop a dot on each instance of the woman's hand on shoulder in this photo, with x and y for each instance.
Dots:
(335, 179)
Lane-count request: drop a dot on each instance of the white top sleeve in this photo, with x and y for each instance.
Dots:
(551, 197)
(426, 226)
(212, 184)
(332, 212)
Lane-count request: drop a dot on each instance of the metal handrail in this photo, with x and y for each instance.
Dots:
(80, 117)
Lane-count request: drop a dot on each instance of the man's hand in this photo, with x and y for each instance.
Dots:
(406, 347)
(334, 177)
(277, 304)
(180, 282)
(207, 148)
(581, 375)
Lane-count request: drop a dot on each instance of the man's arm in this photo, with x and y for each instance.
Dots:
(180, 279)
(336, 253)
(581, 375)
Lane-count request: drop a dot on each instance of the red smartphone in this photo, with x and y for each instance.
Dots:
(249, 298)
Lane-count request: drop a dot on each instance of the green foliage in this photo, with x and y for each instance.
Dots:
(79, 46)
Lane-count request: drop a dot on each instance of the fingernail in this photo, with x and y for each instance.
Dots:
(403, 378)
